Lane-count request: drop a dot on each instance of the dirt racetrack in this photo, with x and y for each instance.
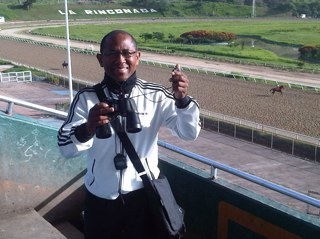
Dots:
(296, 110)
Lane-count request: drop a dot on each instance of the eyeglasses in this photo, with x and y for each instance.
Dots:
(125, 53)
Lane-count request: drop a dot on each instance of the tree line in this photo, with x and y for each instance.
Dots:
(296, 7)
(311, 8)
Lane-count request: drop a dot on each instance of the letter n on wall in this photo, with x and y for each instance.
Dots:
(234, 222)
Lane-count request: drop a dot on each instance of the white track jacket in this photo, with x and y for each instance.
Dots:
(156, 107)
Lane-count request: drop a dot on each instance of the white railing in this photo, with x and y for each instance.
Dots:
(262, 127)
(270, 135)
(12, 101)
(304, 86)
(22, 76)
(238, 76)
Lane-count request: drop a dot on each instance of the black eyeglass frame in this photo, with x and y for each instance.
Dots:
(125, 53)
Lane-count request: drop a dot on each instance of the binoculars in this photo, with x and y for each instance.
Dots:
(125, 107)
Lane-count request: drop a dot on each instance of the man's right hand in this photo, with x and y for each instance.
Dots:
(98, 115)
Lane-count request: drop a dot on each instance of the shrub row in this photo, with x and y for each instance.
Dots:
(310, 52)
(204, 35)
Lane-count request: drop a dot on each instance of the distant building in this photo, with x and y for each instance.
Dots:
(2, 19)
(303, 16)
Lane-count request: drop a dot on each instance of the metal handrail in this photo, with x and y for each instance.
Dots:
(12, 101)
(278, 188)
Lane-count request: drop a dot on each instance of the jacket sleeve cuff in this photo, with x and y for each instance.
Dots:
(182, 103)
(82, 134)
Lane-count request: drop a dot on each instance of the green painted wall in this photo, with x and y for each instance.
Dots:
(218, 209)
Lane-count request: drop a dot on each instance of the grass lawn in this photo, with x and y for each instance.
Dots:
(296, 32)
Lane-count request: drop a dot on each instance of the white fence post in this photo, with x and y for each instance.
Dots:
(22, 76)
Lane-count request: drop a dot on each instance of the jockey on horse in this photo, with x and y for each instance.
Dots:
(278, 88)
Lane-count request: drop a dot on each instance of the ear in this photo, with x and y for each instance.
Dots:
(99, 57)
(138, 55)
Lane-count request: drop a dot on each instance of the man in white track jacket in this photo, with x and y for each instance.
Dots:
(115, 199)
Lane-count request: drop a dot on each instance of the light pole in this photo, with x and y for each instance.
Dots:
(68, 50)
(253, 14)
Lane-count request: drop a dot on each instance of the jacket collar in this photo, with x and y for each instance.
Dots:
(123, 87)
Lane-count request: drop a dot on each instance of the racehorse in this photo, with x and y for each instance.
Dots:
(278, 88)
(65, 64)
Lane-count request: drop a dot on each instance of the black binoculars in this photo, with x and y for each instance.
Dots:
(125, 107)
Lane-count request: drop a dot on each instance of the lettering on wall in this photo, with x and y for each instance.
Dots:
(112, 11)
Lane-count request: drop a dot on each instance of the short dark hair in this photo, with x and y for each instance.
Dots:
(113, 33)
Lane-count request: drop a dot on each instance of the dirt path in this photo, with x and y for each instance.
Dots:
(295, 111)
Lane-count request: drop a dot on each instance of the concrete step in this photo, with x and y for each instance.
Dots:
(68, 230)
(28, 225)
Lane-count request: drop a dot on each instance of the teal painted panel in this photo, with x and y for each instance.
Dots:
(30, 163)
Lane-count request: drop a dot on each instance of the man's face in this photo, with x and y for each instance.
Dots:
(119, 57)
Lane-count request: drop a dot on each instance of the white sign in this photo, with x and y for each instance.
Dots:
(112, 11)
(2, 19)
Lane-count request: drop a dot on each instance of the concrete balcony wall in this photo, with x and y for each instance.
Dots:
(35, 175)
